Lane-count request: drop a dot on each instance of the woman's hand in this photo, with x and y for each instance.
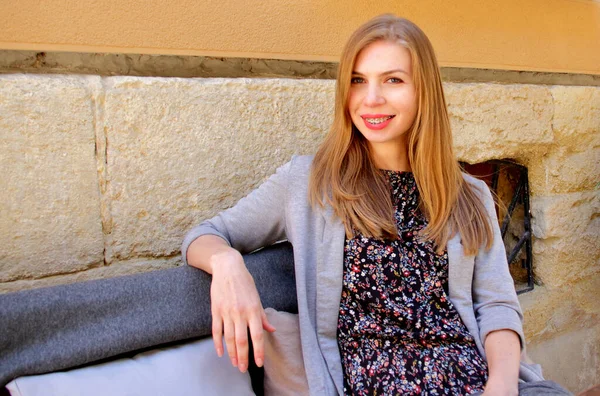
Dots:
(500, 388)
(235, 307)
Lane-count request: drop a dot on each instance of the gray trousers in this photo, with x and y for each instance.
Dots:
(538, 388)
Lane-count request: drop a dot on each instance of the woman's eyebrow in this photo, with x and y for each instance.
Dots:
(385, 73)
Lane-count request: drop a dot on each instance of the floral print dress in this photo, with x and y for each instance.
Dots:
(398, 333)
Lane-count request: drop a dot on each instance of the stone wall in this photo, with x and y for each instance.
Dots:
(102, 176)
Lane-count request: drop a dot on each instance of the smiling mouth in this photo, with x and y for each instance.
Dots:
(377, 120)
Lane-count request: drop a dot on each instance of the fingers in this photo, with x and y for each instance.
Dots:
(241, 343)
(236, 308)
(236, 339)
(266, 324)
(217, 334)
(230, 341)
(256, 332)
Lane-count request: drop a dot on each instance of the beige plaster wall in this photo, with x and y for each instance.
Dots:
(102, 176)
(542, 35)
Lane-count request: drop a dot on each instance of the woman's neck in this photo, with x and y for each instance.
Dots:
(390, 157)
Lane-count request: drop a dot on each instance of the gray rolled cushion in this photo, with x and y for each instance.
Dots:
(57, 328)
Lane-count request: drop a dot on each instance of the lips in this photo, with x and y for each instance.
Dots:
(376, 121)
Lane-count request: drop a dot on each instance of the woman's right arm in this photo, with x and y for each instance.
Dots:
(235, 303)
(256, 221)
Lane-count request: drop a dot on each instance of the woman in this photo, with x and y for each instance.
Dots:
(402, 280)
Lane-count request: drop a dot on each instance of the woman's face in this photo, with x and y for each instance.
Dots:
(382, 99)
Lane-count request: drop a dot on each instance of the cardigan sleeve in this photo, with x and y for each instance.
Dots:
(494, 298)
(256, 221)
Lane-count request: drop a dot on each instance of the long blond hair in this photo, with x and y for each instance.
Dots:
(344, 175)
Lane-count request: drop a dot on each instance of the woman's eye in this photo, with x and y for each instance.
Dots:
(356, 80)
(395, 80)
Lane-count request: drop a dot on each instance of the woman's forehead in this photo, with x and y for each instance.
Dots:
(382, 57)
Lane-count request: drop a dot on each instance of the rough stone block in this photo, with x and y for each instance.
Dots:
(563, 170)
(50, 210)
(561, 325)
(576, 115)
(499, 121)
(572, 359)
(565, 214)
(122, 268)
(551, 311)
(562, 261)
(180, 150)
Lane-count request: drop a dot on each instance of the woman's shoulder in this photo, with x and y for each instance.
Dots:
(480, 188)
(301, 163)
(298, 168)
(294, 174)
(472, 180)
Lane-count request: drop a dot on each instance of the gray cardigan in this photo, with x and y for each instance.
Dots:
(480, 287)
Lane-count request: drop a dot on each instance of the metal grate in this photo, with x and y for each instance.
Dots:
(510, 183)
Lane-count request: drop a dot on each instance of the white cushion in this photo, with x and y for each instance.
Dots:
(284, 366)
(189, 369)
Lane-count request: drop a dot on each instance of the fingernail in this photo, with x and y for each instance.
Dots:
(259, 362)
(234, 362)
(242, 368)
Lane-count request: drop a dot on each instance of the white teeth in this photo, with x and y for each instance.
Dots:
(377, 120)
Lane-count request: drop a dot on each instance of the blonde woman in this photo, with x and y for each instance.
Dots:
(402, 280)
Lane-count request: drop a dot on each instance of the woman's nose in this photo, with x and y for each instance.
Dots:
(374, 96)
